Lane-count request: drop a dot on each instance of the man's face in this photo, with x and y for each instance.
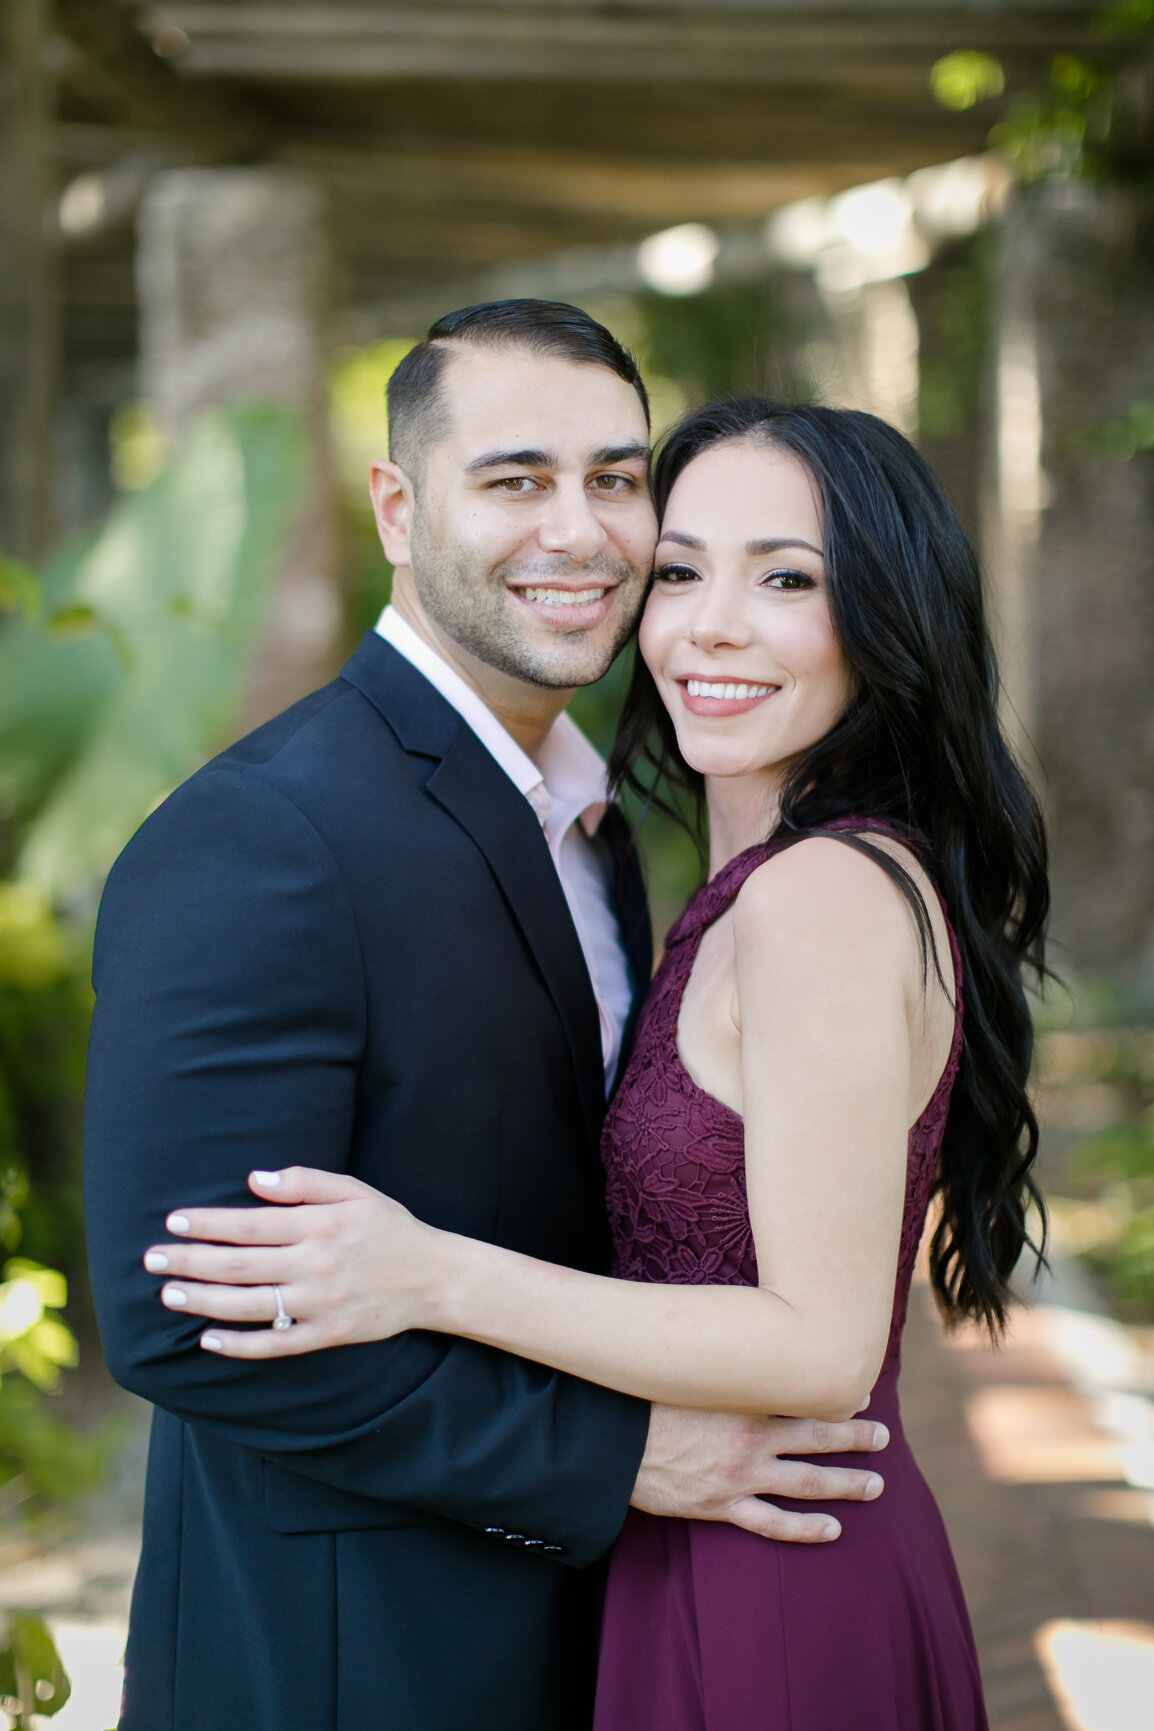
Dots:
(532, 529)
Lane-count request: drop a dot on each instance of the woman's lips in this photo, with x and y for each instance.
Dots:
(719, 697)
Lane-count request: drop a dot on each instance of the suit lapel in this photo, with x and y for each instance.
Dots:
(470, 785)
(474, 790)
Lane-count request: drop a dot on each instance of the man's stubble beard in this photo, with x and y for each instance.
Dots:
(472, 609)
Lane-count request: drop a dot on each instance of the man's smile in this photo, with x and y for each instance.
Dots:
(568, 606)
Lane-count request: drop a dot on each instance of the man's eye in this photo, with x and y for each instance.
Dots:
(790, 580)
(614, 483)
(675, 574)
(515, 484)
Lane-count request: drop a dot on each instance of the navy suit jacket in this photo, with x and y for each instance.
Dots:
(343, 944)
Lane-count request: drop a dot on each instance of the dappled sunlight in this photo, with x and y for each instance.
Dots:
(1101, 1674)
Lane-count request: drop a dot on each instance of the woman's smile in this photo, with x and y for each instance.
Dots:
(738, 631)
(713, 695)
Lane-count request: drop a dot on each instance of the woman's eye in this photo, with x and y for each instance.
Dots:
(790, 580)
(675, 574)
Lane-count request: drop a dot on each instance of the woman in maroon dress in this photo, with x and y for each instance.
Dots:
(815, 669)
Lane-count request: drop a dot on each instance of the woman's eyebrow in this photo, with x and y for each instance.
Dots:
(681, 540)
(754, 548)
(775, 545)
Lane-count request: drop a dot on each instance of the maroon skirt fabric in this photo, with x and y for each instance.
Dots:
(710, 1628)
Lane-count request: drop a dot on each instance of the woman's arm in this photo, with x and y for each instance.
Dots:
(828, 986)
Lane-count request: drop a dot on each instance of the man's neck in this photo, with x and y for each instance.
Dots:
(525, 711)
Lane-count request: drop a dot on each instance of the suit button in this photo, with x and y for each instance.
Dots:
(516, 1538)
(495, 1532)
(553, 1550)
(534, 1544)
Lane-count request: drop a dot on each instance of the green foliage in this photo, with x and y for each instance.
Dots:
(1089, 120)
(33, 1337)
(1120, 1162)
(1128, 17)
(121, 669)
(19, 590)
(45, 1005)
(1065, 129)
(41, 1457)
(952, 366)
(1121, 439)
(1107, 1047)
(33, 1683)
(132, 671)
(962, 79)
(733, 338)
(360, 434)
(38, 1454)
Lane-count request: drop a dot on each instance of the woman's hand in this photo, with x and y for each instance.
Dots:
(349, 1264)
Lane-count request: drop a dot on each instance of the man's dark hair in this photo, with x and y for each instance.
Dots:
(418, 413)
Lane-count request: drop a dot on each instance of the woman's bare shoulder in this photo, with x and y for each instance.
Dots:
(823, 890)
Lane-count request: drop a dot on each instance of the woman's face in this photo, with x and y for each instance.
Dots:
(737, 630)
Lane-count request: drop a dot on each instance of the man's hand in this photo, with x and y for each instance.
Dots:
(716, 1466)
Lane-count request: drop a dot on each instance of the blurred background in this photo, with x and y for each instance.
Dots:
(221, 225)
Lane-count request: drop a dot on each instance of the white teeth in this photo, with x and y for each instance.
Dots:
(701, 688)
(563, 597)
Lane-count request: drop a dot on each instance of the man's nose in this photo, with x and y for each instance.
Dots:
(571, 525)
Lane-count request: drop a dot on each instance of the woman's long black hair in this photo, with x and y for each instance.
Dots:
(919, 748)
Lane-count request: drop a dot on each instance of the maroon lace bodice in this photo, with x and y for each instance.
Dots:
(675, 1156)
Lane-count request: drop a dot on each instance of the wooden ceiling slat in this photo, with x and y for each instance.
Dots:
(392, 42)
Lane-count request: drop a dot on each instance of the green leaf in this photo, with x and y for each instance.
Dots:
(19, 588)
(964, 78)
(168, 600)
(31, 1671)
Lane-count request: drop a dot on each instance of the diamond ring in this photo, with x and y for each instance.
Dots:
(282, 1319)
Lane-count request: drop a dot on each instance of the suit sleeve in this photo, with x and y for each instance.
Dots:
(228, 1033)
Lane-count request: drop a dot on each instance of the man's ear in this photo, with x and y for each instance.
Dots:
(391, 492)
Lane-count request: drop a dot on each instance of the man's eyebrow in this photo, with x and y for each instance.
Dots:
(514, 459)
(632, 452)
(755, 548)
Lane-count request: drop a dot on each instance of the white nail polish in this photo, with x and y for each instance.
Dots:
(177, 1223)
(212, 1342)
(156, 1262)
(270, 1180)
(174, 1297)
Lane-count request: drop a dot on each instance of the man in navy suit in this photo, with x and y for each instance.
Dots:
(396, 933)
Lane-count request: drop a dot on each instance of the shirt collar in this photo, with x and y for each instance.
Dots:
(570, 779)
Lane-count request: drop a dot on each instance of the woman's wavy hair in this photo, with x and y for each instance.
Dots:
(919, 748)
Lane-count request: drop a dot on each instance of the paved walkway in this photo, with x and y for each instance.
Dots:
(1042, 1457)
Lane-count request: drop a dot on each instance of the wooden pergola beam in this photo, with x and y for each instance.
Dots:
(660, 42)
(111, 59)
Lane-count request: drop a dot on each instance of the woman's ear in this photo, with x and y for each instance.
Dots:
(391, 493)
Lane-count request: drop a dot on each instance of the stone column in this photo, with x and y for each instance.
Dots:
(1072, 545)
(28, 311)
(234, 273)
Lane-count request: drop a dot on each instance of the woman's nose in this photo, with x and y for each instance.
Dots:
(571, 525)
(719, 619)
